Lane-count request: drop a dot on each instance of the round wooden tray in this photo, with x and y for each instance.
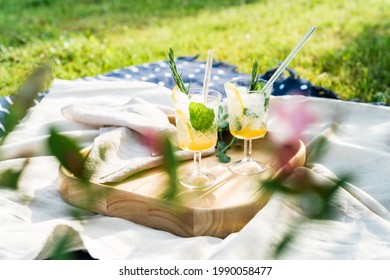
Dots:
(217, 211)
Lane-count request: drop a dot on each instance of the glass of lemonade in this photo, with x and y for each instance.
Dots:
(247, 120)
(197, 126)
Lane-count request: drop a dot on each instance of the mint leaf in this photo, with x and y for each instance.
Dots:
(222, 146)
(223, 122)
(223, 158)
(201, 117)
(236, 124)
(266, 104)
(250, 113)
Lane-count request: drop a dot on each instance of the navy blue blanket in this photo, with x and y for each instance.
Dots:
(192, 72)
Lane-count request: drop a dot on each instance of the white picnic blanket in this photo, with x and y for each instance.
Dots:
(32, 218)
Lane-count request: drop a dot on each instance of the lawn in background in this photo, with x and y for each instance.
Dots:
(349, 52)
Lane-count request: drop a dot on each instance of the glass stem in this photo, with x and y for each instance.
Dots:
(197, 163)
(247, 149)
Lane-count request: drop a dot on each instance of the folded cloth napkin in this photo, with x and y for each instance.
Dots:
(137, 115)
(119, 151)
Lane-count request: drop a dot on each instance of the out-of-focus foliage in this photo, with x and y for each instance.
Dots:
(67, 151)
(24, 98)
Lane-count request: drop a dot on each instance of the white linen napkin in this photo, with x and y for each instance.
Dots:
(119, 151)
(137, 115)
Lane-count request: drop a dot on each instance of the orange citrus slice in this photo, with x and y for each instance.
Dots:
(236, 106)
(184, 132)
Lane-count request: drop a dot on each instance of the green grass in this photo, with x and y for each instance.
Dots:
(349, 53)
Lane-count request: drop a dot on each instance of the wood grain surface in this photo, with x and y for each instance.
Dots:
(224, 208)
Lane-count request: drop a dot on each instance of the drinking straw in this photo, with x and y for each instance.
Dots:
(206, 80)
(283, 66)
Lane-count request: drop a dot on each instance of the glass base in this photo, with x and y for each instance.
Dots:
(248, 167)
(197, 181)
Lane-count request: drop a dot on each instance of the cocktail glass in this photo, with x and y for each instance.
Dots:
(247, 120)
(197, 125)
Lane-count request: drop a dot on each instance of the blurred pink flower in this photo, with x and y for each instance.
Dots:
(153, 140)
(291, 122)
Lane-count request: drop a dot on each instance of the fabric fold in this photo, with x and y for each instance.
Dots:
(359, 228)
(137, 115)
(120, 151)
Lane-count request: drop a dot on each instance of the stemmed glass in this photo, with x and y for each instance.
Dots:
(197, 125)
(248, 111)
(247, 120)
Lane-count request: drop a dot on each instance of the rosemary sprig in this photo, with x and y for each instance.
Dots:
(255, 79)
(175, 75)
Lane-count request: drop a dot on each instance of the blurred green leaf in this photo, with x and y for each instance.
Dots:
(170, 165)
(312, 204)
(276, 185)
(67, 151)
(328, 194)
(60, 249)
(317, 149)
(24, 98)
(281, 246)
(9, 178)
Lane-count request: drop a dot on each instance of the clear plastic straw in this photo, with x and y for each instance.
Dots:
(283, 66)
(207, 74)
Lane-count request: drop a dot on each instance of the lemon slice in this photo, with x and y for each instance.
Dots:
(236, 106)
(178, 96)
(184, 132)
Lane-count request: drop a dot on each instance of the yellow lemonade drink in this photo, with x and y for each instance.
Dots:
(248, 133)
(196, 112)
(248, 102)
(190, 139)
(196, 120)
(247, 112)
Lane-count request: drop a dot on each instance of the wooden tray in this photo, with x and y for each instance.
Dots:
(222, 209)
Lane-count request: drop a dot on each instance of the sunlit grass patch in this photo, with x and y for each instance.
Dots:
(346, 54)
